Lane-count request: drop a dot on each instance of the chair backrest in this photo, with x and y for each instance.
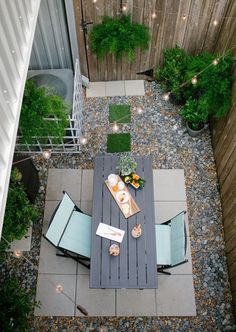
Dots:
(60, 220)
(171, 241)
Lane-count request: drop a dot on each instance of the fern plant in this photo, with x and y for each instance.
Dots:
(119, 36)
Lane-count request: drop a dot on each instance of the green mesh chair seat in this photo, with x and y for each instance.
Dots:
(70, 231)
(171, 242)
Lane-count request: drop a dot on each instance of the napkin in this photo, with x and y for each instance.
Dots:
(110, 232)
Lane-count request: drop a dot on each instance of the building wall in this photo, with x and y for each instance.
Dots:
(224, 145)
(17, 26)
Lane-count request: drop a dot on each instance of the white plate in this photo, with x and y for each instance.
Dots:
(122, 196)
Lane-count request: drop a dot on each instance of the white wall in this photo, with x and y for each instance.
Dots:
(17, 25)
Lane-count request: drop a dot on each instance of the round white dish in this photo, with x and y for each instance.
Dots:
(122, 196)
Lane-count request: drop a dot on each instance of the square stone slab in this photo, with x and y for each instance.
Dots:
(87, 185)
(63, 179)
(24, 244)
(49, 262)
(136, 302)
(134, 88)
(115, 88)
(169, 185)
(97, 302)
(52, 302)
(175, 296)
(96, 89)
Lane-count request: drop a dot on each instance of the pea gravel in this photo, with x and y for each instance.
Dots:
(160, 132)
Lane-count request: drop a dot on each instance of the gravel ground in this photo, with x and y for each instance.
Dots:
(157, 131)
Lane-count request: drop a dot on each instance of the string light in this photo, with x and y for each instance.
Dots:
(94, 1)
(166, 96)
(215, 62)
(194, 80)
(47, 154)
(184, 17)
(124, 8)
(215, 22)
(139, 109)
(115, 127)
(154, 15)
(59, 288)
(83, 140)
(17, 253)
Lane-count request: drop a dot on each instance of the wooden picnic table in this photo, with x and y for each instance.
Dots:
(135, 267)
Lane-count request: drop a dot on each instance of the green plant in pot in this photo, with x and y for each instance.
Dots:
(43, 114)
(195, 113)
(126, 165)
(119, 36)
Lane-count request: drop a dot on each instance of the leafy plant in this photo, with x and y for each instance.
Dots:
(16, 306)
(195, 112)
(173, 72)
(119, 36)
(43, 114)
(20, 213)
(126, 165)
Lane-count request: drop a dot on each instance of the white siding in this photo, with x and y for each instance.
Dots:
(17, 25)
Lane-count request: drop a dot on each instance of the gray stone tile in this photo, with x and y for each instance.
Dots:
(175, 296)
(52, 302)
(24, 244)
(186, 268)
(97, 302)
(166, 210)
(115, 88)
(63, 179)
(96, 89)
(134, 88)
(135, 302)
(87, 207)
(87, 185)
(169, 185)
(49, 262)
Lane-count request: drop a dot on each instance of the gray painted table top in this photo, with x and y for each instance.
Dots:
(135, 267)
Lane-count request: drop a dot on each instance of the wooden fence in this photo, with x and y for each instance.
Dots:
(194, 25)
(224, 145)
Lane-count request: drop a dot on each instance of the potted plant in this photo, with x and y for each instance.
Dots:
(195, 113)
(126, 165)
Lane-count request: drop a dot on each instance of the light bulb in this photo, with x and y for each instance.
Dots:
(83, 140)
(184, 17)
(17, 253)
(115, 127)
(154, 15)
(215, 22)
(124, 8)
(94, 1)
(215, 62)
(47, 154)
(139, 109)
(166, 96)
(59, 288)
(194, 80)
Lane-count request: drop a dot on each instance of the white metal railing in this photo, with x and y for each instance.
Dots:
(71, 140)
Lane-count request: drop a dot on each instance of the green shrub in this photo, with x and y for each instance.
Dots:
(173, 72)
(119, 36)
(19, 214)
(38, 105)
(195, 112)
(16, 306)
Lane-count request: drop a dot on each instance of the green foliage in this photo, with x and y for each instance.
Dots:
(173, 72)
(118, 142)
(16, 306)
(119, 113)
(39, 104)
(119, 36)
(126, 165)
(20, 213)
(195, 112)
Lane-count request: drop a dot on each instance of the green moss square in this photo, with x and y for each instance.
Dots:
(119, 113)
(118, 142)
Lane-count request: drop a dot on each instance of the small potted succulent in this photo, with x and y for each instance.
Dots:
(126, 165)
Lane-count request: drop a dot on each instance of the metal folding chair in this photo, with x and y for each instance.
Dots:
(70, 231)
(171, 243)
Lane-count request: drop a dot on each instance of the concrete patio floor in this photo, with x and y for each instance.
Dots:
(175, 294)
